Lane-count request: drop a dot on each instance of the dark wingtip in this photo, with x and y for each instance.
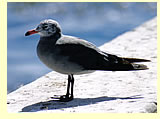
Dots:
(146, 60)
(136, 60)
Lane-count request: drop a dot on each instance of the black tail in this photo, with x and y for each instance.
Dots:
(127, 64)
(139, 67)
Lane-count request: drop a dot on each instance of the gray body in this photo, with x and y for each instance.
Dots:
(71, 55)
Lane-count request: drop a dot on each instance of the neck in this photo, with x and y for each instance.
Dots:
(50, 39)
(56, 35)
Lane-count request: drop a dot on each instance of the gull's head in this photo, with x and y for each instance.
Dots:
(46, 28)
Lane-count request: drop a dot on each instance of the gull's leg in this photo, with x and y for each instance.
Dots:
(72, 85)
(68, 96)
(68, 86)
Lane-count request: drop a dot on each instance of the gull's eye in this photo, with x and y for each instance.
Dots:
(44, 26)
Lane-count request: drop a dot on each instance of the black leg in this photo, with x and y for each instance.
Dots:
(72, 85)
(68, 86)
(68, 96)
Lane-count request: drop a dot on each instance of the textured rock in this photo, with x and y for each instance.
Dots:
(117, 92)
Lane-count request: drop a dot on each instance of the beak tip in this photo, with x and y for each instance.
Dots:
(27, 34)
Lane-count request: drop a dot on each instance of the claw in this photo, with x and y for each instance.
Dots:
(65, 98)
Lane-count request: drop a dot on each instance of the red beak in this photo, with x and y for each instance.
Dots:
(30, 32)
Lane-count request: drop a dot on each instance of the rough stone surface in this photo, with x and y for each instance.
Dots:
(111, 92)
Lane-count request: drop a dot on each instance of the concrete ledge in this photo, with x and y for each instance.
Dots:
(117, 92)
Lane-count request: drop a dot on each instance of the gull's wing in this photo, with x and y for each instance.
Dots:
(89, 57)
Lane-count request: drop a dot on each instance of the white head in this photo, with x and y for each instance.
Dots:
(46, 28)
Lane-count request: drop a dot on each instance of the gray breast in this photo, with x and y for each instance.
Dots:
(52, 57)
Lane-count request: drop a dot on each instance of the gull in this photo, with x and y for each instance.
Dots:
(73, 56)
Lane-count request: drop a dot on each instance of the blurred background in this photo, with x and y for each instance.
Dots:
(96, 22)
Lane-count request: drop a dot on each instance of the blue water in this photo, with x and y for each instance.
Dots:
(95, 22)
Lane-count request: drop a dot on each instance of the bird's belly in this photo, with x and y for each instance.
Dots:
(61, 64)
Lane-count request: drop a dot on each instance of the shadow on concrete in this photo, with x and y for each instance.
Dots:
(55, 104)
